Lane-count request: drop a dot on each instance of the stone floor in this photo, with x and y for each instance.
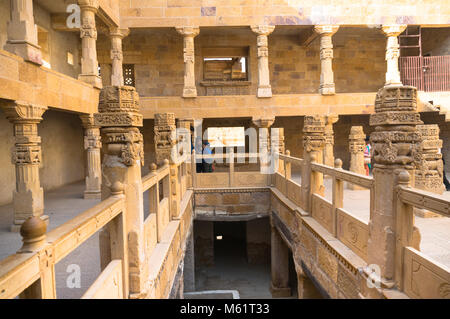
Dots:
(232, 272)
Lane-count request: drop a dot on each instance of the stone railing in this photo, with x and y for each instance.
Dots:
(232, 177)
(30, 273)
(419, 275)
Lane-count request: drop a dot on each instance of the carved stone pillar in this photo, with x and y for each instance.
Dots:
(28, 198)
(116, 35)
(393, 52)
(92, 145)
(326, 58)
(263, 31)
(277, 144)
(313, 144)
(429, 166)
(22, 32)
(189, 34)
(279, 266)
(119, 119)
(356, 144)
(396, 145)
(88, 34)
(328, 151)
(263, 125)
(166, 149)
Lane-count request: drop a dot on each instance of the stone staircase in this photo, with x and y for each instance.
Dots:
(440, 102)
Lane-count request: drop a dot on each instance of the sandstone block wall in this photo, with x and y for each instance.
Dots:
(258, 241)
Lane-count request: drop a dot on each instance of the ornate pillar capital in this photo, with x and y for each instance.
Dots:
(393, 30)
(23, 112)
(87, 120)
(264, 30)
(119, 32)
(326, 30)
(188, 31)
(263, 122)
(91, 5)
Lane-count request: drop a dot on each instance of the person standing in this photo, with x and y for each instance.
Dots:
(207, 162)
(367, 157)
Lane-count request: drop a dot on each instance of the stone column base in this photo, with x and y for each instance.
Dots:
(327, 90)
(190, 92)
(28, 51)
(92, 195)
(264, 92)
(15, 228)
(278, 292)
(92, 79)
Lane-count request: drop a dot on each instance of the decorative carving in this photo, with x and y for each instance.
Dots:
(264, 88)
(326, 55)
(189, 33)
(313, 130)
(392, 53)
(118, 116)
(428, 163)
(165, 137)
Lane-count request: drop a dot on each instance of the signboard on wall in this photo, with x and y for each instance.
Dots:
(226, 136)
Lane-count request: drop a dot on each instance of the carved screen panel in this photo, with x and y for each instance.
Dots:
(128, 74)
(423, 278)
(352, 232)
(322, 212)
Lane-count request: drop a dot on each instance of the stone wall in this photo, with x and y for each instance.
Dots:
(258, 241)
(242, 202)
(204, 243)
(436, 41)
(157, 54)
(60, 42)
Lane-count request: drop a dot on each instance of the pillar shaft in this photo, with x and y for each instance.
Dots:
(264, 87)
(429, 166)
(392, 53)
(264, 141)
(116, 35)
(22, 32)
(166, 149)
(356, 146)
(279, 266)
(313, 144)
(326, 58)
(92, 145)
(119, 119)
(328, 151)
(189, 34)
(88, 34)
(28, 197)
(396, 142)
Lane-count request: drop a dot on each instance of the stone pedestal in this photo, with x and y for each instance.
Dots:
(264, 87)
(356, 145)
(116, 35)
(123, 149)
(313, 144)
(22, 32)
(392, 53)
(189, 34)
(326, 57)
(28, 198)
(328, 150)
(396, 144)
(279, 266)
(92, 145)
(88, 34)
